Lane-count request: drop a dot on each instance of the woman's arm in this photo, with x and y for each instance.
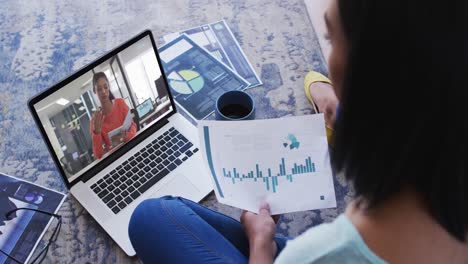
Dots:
(260, 229)
(262, 252)
(131, 132)
(96, 136)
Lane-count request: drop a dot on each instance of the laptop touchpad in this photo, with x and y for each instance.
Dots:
(179, 186)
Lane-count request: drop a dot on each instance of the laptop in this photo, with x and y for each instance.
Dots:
(163, 158)
(145, 108)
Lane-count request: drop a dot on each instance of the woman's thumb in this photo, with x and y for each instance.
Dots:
(264, 209)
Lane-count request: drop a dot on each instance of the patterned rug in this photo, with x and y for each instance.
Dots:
(44, 41)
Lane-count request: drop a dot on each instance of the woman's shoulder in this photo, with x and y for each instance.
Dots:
(119, 101)
(313, 243)
(327, 243)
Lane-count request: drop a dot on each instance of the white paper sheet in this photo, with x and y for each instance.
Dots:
(218, 39)
(284, 162)
(21, 234)
(124, 127)
(12, 229)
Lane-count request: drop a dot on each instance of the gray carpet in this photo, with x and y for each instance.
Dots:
(44, 41)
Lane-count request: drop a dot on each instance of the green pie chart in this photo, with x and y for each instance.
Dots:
(186, 81)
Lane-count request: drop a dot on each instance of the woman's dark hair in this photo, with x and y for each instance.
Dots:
(401, 123)
(96, 77)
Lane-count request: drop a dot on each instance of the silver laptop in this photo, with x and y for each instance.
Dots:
(111, 174)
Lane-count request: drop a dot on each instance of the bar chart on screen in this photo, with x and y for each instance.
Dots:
(279, 161)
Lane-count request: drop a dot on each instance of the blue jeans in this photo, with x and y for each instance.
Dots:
(177, 230)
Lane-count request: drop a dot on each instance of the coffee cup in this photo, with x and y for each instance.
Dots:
(235, 105)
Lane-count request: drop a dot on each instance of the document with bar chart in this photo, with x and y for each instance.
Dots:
(284, 162)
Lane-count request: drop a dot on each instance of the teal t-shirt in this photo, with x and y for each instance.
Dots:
(336, 242)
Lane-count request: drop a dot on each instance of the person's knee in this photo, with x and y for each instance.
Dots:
(146, 209)
(150, 218)
(148, 212)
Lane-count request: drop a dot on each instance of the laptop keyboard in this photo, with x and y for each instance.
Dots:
(141, 171)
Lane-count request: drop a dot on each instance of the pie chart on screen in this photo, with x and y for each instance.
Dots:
(186, 81)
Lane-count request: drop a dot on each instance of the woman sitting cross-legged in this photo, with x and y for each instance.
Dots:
(398, 70)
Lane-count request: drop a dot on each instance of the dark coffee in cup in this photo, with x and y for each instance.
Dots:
(235, 111)
(235, 105)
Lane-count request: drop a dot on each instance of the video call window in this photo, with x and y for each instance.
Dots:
(105, 108)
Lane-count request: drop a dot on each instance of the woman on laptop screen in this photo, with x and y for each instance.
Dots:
(108, 124)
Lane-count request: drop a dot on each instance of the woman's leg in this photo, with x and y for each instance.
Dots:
(322, 96)
(176, 230)
(326, 101)
(230, 228)
(166, 230)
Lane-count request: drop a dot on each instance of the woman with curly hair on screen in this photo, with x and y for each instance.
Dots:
(110, 116)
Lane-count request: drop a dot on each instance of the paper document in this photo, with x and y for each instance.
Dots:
(284, 162)
(124, 127)
(195, 77)
(22, 231)
(218, 39)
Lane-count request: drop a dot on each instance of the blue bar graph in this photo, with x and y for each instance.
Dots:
(210, 160)
(307, 168)
(271, 181)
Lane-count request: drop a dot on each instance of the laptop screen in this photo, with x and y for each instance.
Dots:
(93, 115)
(145, 108)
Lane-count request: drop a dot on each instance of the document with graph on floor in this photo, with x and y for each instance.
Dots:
(218, 39)
(22, 230)
(197, 78)
(284, 162)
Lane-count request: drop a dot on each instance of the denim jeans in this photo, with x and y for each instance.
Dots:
(177, 230)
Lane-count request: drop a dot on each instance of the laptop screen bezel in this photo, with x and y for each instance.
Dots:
(132, 143)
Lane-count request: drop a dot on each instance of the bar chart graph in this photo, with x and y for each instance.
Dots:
(270, 178)
(278, 161)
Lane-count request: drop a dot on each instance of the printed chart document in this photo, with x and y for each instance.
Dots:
(195, 77)
(124, 127)
(284, 162)
(217, 38)
(20, 234)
